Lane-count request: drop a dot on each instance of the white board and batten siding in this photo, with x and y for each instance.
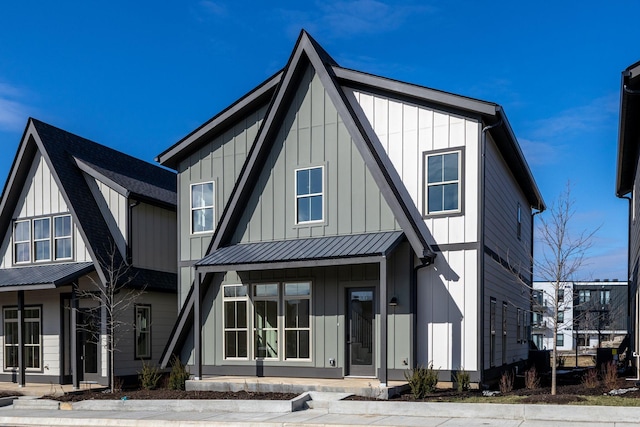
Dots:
(408, 131)
(40, 197)
(447, 321)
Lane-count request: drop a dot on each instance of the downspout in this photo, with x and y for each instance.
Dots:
(426, 262)
(531, 275)
(129, 243)
(483, 161)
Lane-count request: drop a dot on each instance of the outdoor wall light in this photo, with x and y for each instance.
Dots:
(393, 301)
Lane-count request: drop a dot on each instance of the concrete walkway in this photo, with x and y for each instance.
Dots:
(322, 413)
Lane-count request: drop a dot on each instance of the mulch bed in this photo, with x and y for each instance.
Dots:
(165, 394)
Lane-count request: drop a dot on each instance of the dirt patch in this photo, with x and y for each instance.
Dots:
(165, 394)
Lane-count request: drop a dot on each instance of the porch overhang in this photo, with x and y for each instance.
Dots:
(302, 253)
(41, 277)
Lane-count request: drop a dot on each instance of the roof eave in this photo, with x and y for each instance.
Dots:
(628, 130)
(172, 156)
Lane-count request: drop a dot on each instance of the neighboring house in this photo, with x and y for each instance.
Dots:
(591, 314)
(69, 207)
(627, 185)
(334, 223)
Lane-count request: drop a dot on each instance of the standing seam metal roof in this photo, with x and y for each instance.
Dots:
(52, 274)
(359, 245)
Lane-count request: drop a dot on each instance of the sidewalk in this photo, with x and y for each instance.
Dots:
(330, 413)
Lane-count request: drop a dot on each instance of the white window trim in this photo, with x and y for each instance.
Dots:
(30, 320)
(284, 325)
(191, 208)
(279, 321)
(15, 242)
(248, 330)
(435, 184)
(55, 238)
(295, 192)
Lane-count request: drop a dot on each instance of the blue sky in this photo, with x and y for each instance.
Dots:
(140, 75)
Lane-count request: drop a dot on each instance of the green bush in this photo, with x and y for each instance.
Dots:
(179, 374)
(149, 376)
(463, 380)
(422, 381)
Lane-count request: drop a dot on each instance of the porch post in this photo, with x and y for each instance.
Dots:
(21, 367)
(383, 322)
(197, 328)
(74, 337)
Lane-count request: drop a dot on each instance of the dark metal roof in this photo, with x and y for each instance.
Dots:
(42, 276)
(311, 249)
(69, 157)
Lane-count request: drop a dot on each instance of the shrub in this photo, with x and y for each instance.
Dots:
(179, 374)
(506, 382)
(590, 379)
(149, 376)
(610, 375)
(531, 379)
(463, 380)
(422, 381)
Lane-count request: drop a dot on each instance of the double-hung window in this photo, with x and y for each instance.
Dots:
(42, 239)
(22, 241)
(62, 236)
(32, 338)
(297, 328)
(143, 331)
(265, 303)
(202, 207)
(309, 195)
(236, 300)
(443, 182)
(259, 318)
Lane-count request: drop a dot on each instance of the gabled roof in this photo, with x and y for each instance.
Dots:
(629, 130)
(67, 156)
(306, 52)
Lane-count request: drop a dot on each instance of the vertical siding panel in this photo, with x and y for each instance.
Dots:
(344, 207)
(471, 184)
(440, 131)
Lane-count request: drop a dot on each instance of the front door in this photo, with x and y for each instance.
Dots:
(88, 338)
(360, 332)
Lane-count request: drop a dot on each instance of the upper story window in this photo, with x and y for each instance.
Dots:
(34, 238)
(202, 209)
(309, 195)
(62, 236)
(22, 241)
(443, 183)
(42, 239)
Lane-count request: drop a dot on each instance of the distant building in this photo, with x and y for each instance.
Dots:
(593, 314)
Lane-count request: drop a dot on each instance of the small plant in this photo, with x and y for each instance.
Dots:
(179, 374)
(590, 379)
(610, 375)
(531, 379)
(463, 380)
(506, 382)
(117, 384)
(149, 376)
(422, 381)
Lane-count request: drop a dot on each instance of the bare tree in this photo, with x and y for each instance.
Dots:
(562, 254)
(116, 297)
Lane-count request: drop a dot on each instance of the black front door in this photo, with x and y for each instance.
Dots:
(88, 339)
(360, 332)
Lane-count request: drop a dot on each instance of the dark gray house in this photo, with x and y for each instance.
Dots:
(333, 223)
(71, 212)
(627, 180)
